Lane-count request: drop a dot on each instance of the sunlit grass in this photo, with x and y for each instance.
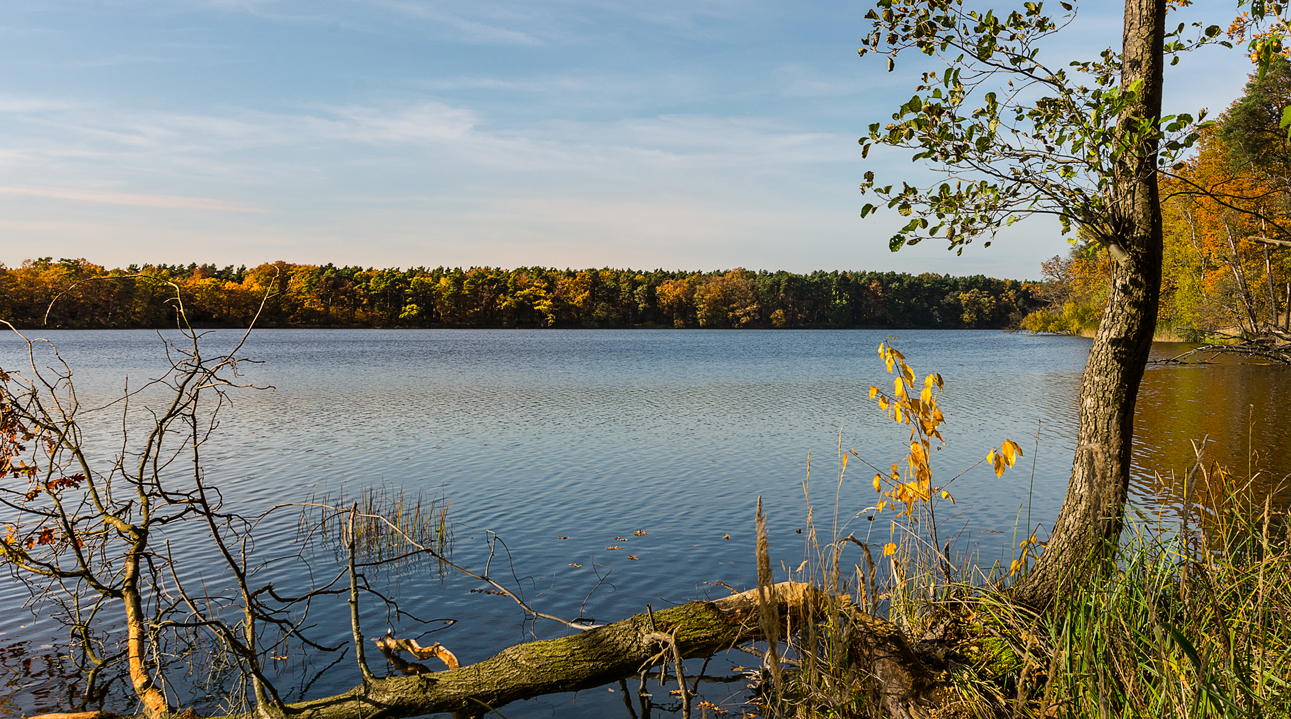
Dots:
(1193, 618)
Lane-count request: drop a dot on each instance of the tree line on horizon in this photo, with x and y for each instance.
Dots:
(77, 294)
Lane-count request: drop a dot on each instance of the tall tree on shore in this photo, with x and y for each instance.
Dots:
(1017, 136)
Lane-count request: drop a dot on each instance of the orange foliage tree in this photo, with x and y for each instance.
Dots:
(1221, 269)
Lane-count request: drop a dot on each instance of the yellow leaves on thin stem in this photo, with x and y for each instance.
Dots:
(1004, 457)
(924, 418)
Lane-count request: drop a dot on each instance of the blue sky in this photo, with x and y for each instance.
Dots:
(683, 135)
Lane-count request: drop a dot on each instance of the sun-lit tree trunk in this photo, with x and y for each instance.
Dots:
(154, 701)
(1089, 522)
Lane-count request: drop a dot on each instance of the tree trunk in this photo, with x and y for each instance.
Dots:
(154, 701)
(1090, 519)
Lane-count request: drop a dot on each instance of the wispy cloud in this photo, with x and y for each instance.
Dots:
(30, 105)
(116, 60)
(469, 23)
(132, 199)
(409, 133)
(429, 122)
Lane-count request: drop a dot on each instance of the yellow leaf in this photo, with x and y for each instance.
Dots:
(900, 388)
(878, 482)
(873, 391)
(899, 417)
(881, 504)
(940, 384)
(889, 549)
(908, 373)
(1011, 451)
(926, 395)
(946, 495)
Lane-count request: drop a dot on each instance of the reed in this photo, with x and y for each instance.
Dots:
(385, 515)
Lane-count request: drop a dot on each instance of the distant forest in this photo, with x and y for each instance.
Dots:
(78, 294)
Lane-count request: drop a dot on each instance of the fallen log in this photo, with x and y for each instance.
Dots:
(581, 661)
(902, 683)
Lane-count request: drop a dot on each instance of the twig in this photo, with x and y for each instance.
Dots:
(359, 656)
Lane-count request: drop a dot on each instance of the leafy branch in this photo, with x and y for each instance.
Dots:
(1013, 136)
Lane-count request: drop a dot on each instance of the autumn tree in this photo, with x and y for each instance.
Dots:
(1225, 267)
(1016, 136)
(1228, 215)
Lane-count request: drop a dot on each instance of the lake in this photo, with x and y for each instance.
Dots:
(565, 443)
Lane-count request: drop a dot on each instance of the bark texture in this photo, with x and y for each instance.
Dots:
(581, 661)
(1091, 515)
(907, 688)
(903, 684)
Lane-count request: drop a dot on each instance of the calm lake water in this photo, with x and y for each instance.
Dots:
(592, 435)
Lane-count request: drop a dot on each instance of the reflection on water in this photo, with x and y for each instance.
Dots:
(1244, 409)
(37, 675)
(566, 443)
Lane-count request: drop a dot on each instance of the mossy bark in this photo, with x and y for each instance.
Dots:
(901, 682)
(581, 661)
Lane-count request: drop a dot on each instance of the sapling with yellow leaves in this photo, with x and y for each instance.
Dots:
(916, 405)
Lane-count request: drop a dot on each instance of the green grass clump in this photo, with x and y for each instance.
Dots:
(1193, 620)
(1198, 624)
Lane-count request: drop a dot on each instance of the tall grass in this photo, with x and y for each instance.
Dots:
(385, 515)
(1194, 621)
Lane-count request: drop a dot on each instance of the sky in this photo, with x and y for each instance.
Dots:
(675, 134)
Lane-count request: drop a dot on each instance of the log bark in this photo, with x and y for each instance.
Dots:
(905, 686)
(900, 681)
(1090, 519)
(581, 661)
